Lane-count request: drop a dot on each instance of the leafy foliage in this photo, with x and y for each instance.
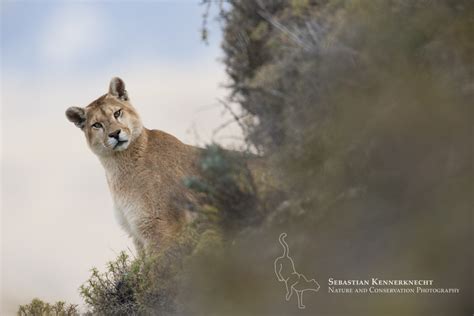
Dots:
(361, 109)
(228, 185)
(40, 308)
(114, 292)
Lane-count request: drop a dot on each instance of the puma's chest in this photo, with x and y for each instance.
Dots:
(128, 205)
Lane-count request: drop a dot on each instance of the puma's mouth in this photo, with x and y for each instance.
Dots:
(120, 143)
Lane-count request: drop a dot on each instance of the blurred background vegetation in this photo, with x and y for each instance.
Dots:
(361, 115)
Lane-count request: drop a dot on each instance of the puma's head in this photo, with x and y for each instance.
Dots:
(110, 123)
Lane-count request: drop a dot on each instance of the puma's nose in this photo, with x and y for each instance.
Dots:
(115, 134)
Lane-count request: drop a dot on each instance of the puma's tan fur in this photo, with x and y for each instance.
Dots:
(144, 168)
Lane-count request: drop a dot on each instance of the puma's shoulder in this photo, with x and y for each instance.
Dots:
(169, 148)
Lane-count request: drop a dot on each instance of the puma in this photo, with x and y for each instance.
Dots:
(144, 168)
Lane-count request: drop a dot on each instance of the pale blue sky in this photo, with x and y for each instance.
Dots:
(111, 32)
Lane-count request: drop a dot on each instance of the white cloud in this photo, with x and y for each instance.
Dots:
(73, 31)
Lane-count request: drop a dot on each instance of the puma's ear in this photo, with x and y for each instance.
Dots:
(117, 89)
(77, 116)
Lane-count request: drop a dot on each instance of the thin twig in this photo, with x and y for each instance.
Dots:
(236, 117)
(269, 18)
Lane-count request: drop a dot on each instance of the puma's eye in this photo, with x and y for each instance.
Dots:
(118, 113)
(97, 125)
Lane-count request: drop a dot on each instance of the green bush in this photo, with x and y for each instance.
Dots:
(229, 189)
(40, 308)
(114, 291)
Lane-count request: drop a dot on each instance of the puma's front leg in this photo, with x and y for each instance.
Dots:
(139, 246)
(158, 231)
